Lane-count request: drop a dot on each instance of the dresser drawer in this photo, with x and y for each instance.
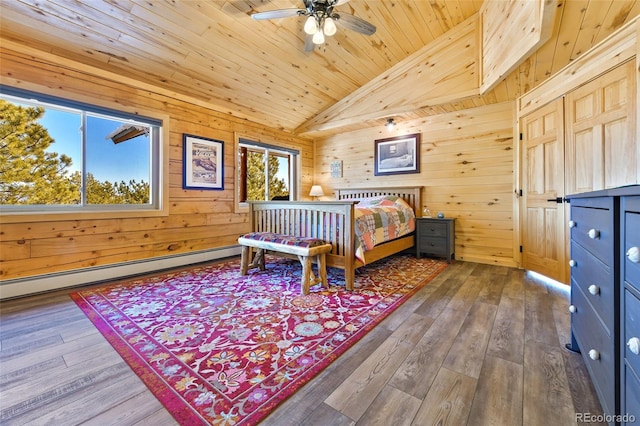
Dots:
(593, 276)
(630, 410)
(631, 239)
(631, 328)
(590, 335)
(432, 228)
(593, 229)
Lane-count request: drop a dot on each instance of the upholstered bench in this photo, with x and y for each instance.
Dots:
(304, 248)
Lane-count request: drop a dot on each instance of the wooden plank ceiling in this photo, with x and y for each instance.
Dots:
(213, 52)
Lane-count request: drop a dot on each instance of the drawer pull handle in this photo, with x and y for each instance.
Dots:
(594, 289)
(594, 355)
(633, 254)
(593, 234)
(572, 224)
(572, 263)
(573, 309)
(634, 345)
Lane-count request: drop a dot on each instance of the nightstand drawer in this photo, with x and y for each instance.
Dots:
(596, 282)
(591, 336)
(631, 329)
(432, 229)
(631, 241)
(593, 229)
(433, 245)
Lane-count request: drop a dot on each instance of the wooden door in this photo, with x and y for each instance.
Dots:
(601, 147)
(543, 232)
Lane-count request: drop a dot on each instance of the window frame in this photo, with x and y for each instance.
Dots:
(159, 185)
(257, 144)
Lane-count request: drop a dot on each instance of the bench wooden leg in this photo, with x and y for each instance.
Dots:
(244, 259)
(250, 261)
(306, 273)
(322, 269)
(258, 260)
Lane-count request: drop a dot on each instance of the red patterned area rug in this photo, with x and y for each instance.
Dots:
(216, 347)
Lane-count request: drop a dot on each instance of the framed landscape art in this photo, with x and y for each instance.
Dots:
(203, 166)
(397, 155)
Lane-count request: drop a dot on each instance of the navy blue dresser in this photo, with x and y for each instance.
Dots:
(605, 295)
(630, 309)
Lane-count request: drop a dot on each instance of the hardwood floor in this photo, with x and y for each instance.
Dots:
(479, 345)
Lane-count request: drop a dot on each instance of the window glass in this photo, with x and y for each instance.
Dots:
(265, 173)
(118, 162)
(54, 156)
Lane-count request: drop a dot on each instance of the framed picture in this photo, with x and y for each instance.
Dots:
(397, 155)
(202, 161)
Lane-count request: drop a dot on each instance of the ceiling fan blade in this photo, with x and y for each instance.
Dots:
(354, 23)
(278, 13)
(308, 43)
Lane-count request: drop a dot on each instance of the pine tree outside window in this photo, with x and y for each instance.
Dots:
(265, 172)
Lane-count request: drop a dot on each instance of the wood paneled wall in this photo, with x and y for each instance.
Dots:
(466, 167)
(196, 220)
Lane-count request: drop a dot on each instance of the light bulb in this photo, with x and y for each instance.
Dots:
(311, 26)
(329, 27)
(390, 124)
(318, 38)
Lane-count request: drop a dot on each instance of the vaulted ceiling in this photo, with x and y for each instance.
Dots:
(211, 51)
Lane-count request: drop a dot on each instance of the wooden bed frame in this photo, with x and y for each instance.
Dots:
(333, 221)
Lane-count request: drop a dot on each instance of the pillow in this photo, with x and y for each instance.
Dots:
(385, 200)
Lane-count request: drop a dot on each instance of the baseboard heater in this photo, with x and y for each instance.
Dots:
(44, 283)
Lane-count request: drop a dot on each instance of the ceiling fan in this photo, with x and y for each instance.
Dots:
(321, 20)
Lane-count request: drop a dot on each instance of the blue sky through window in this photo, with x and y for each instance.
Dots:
(128, 160)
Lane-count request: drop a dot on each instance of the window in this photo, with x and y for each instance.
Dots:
(265, 172)
(57, 155)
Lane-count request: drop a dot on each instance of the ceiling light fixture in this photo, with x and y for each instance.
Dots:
(390, 124)
(320, 21)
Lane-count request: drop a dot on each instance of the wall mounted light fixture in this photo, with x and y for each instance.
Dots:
(390, 124)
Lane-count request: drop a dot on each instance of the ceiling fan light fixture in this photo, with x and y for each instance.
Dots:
(311, 26)
(320, 20)
(318, 37)
(329, 27)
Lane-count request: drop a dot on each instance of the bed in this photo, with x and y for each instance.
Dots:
(334, 222)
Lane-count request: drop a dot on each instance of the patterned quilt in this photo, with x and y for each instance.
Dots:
(381, 219)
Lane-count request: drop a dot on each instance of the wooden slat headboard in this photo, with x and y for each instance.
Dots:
(411, 194)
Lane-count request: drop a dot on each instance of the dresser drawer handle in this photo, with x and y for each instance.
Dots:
(633, 254)
(573, 263)
(634, 345)
(594, 355)
(594, 289)
(572, 224)
(573, 309)
(593, 234)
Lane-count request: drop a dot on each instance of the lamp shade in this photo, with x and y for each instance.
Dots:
(311, 26)
(316, 191)
(318, 37)
(329, 27)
